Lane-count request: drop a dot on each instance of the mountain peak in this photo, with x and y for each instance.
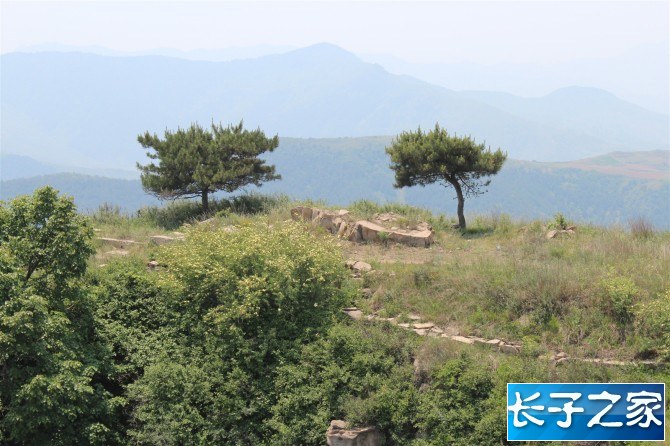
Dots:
(576, 91)
(324, 51)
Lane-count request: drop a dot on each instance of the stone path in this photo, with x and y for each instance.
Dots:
(509, 347)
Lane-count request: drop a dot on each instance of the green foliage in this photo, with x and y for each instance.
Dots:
(459, 399)
(559, 222)
(362, 373)
(175, 214)
(194, 161)
(44, 234)
(420, 158)
(652, 320)
(618, 296)
(178, 212)
(53, 364)
(244, 304)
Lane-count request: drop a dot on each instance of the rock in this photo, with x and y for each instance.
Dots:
(494, 342)
(117, 243)
(421, 331)
(508, 348)
(436, 330)
(354, 313)
(333, 222)
(424, 325)
(571, 228)
(421, 239)
(366, 231)
(561, 355)
(552, 233)
(479, 340)
(403, 325)
(338, 434)
(358, 266)
(462, 339)
(208, 221)
(367, 292)
(152, 264)
(414, 317)
(163, 239)
(561, 360)
(386, 217)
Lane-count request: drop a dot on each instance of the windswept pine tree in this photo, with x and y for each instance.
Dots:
(420, 158)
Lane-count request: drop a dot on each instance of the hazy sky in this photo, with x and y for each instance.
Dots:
(447, 31)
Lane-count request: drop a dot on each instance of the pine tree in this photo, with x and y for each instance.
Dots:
(420, 158)
(195, 162)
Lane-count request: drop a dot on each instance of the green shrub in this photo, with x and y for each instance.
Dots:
(652, 321)
(559, 222)
(460, 397)
(245, 303)
(178, 212)
(618, 295)
(361, 373)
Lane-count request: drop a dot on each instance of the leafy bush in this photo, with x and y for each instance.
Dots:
(460, 406)
(362, 373)
(245, 303)
(652, 320)
(618, 296)
(54, 366)
(178, 212)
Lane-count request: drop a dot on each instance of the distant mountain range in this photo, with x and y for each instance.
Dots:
(604, 190)
(639, 74)
(84, 109)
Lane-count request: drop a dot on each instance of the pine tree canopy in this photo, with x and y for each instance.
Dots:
(420, 158)
(196, 161)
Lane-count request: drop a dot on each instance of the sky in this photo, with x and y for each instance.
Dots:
(485, 32)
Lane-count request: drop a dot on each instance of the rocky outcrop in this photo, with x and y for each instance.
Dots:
(339, 435)
(570, 230)
(340, 223)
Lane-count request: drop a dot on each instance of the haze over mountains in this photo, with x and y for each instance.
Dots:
(85, 109)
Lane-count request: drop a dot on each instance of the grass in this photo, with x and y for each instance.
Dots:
(581, 294)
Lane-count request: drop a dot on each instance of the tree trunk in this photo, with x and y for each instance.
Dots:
(205, 201)
(461, 203)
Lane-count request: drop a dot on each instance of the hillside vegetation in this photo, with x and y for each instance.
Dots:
(237, 336)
